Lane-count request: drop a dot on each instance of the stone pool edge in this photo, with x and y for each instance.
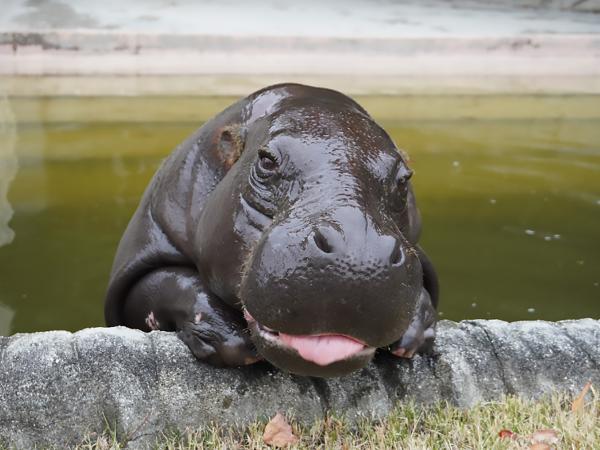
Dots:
(57, 386)
(124, 63)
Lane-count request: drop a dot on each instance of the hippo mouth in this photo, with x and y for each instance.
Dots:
(321, 349)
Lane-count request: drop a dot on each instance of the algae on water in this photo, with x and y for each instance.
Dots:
(8, 167)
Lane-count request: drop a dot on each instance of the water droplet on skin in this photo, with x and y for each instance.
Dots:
(530, 310)
(529, 232)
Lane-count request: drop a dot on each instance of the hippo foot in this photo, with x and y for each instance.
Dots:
(175, 299)
(420, 334)
(208, 343)
(411, 344)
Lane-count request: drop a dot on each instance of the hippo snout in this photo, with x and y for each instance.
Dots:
(356, 280)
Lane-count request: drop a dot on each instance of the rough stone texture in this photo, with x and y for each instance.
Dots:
(56, 387)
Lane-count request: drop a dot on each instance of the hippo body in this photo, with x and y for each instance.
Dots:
(285, 229)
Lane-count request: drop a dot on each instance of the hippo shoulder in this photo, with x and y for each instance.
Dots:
(158, 233)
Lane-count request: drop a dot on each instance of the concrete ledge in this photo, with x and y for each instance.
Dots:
(232, 48)
(55, 387)
(66, 52)
(110, 63)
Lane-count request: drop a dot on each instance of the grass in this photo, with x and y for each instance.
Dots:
(413, 427)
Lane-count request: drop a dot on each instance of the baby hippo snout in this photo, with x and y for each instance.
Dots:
(334, 278)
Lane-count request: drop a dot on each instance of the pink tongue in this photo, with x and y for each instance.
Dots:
(322, 350)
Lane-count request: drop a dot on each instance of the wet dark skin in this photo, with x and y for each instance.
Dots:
(289, 213)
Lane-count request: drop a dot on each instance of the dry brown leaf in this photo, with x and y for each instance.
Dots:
(578, 403)
(278, 432)
(544, 437)
(539, 446)
(507, 434)
(103, 444)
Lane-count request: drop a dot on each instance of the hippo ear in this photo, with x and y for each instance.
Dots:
(230, 144)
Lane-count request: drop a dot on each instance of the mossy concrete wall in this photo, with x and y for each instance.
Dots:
(56, 387)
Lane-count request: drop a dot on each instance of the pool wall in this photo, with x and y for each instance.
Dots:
(58, 387)
(197, 48)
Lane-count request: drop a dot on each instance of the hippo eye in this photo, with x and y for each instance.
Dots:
(267, 163)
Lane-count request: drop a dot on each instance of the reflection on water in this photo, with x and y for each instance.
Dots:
(6, 316)
(511, 213)
(8, 167)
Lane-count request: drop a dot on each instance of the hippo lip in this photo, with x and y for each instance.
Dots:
(322, 349)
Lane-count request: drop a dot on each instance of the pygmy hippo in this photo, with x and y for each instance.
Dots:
(283, 229)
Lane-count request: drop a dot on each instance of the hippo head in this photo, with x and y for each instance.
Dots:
(311, 234)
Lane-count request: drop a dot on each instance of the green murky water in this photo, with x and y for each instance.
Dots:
(511, 210)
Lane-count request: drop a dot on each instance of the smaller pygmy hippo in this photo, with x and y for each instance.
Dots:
(283, 229)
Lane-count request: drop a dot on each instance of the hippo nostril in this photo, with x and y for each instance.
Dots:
(397, 257)
(322, 242)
